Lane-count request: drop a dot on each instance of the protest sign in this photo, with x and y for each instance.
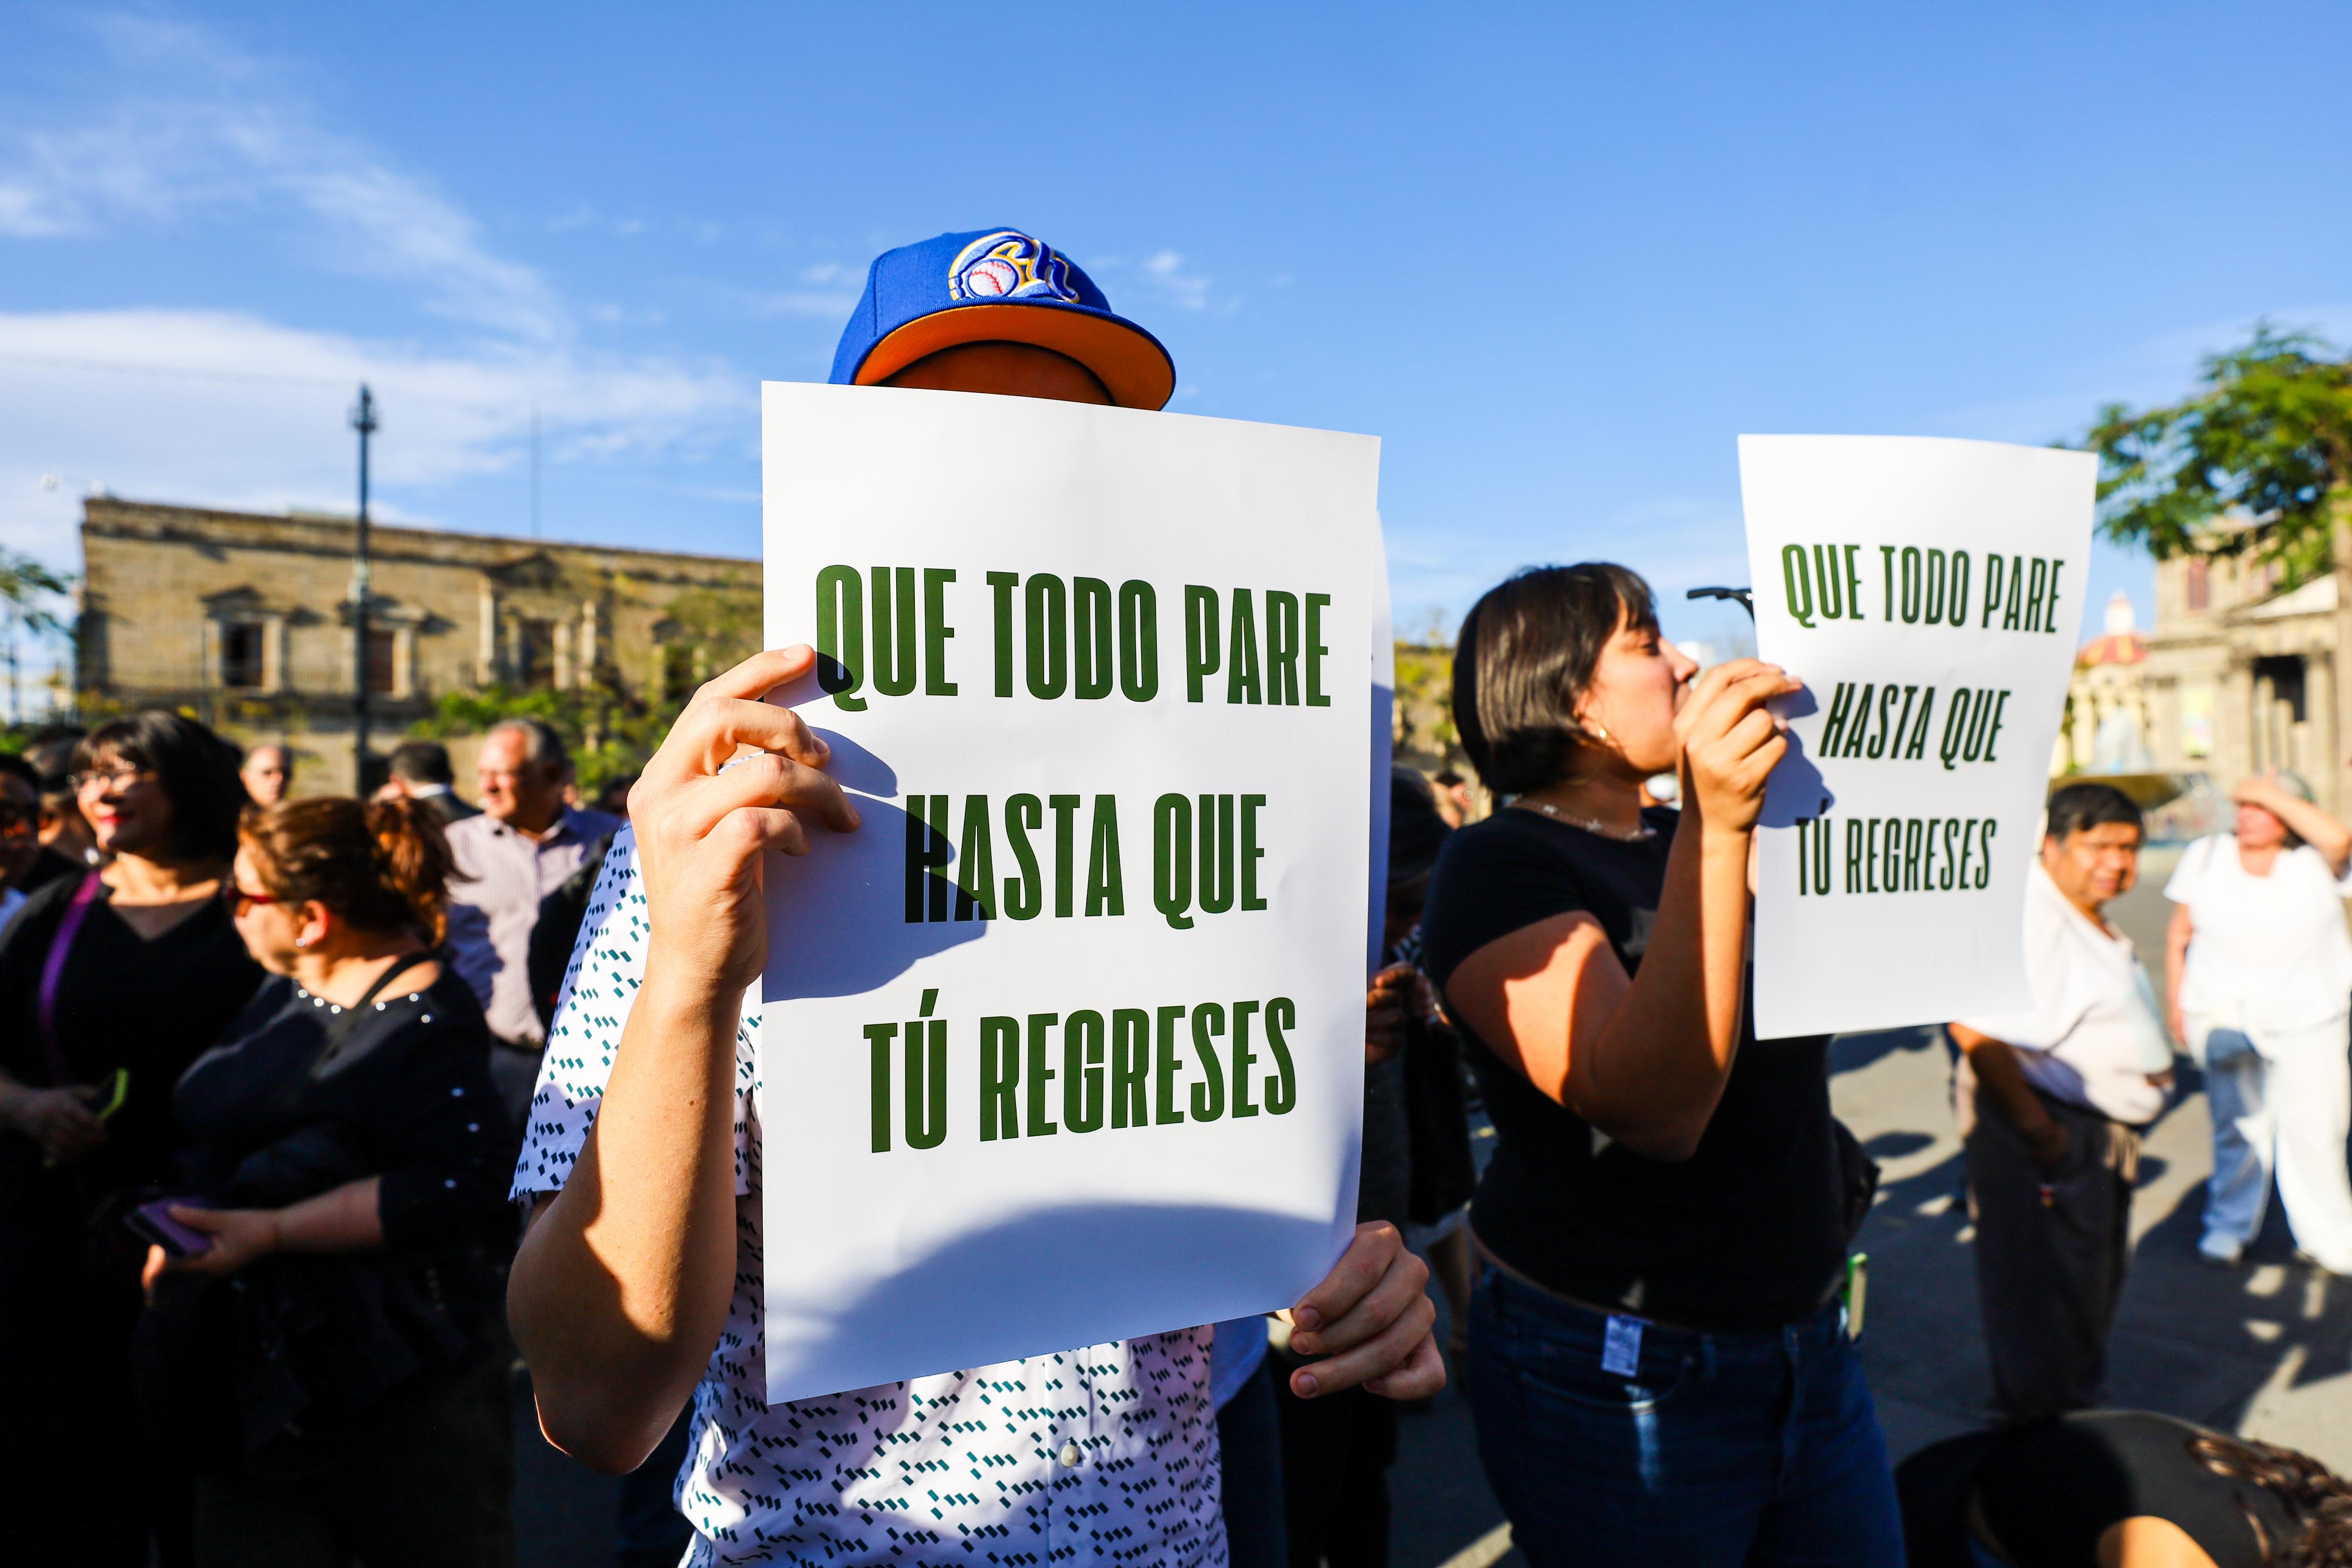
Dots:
(1067, 1044)
(1928, 593)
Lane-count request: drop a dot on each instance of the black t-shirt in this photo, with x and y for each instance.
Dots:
(123, 1001)
(2049, 1491)
(1749, 1232)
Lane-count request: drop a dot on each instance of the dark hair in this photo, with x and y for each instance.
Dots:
(1416, 832)
(196, 768)
(541, 743)
(2079, 808)
(50, 750)
(2319, 1499)
(421, 762)
(1526, 655)
(1446, 778)
(380, 866)
(16, 767)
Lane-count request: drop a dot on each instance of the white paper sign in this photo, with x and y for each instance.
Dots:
(1098, 674)
(1928, 593)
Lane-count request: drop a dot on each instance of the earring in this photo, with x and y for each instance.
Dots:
(1597, 730)
(301, 941)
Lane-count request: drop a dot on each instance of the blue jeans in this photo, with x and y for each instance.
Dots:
(1722, 1450)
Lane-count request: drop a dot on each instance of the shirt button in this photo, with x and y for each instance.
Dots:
(1070, 1455)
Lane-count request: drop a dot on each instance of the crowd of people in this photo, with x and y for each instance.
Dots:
(321, 1117)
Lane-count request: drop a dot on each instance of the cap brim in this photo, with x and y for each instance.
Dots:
(1128, 361)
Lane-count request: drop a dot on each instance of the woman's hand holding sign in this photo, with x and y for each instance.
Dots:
(620, 1289)
(1731, 742)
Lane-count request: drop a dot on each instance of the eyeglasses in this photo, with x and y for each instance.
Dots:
(110, 779)
(239, 901)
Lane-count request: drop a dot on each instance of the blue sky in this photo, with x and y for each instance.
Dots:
(1557, 258)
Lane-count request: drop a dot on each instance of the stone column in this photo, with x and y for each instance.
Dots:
(487, 657)
(2234, 721)
(2327, 755)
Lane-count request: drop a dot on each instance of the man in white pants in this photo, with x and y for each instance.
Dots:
(2259, 973)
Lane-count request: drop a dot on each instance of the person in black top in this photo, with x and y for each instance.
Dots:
(26, 866)
(1659, 1369)
(2120, 1489)
(328, 1363)
(111, 983)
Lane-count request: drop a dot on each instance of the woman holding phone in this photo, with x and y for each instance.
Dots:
(1659, 1367)
(111, 981)
(346, 1166)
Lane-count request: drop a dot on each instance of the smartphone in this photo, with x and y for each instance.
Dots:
(153, 1222)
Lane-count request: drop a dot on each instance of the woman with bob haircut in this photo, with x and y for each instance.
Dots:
(111, 983)
(329, 1365)
(1660, 1370)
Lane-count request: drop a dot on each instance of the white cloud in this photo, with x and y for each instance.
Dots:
(199, 125)
(1165, 270)
(826, 305)
(273, 433)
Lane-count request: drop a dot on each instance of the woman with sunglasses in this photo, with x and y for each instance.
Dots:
(112, 982)
(328, 1363)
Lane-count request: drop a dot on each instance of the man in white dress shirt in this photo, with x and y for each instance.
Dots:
(2052, 1104)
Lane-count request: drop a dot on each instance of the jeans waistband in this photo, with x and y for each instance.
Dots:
(1515, 1294)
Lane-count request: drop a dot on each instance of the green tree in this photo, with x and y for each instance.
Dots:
(2258, 462)
(29, 595)
(610, 731)
(2268, 438)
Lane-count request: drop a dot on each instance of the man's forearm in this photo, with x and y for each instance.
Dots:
(1998, 1071)
(620, 1289)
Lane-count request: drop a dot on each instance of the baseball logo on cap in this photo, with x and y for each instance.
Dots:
(1008, 265)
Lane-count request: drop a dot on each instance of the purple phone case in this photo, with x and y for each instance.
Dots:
(154, 1221)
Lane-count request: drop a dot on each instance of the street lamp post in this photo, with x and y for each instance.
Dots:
(363, 421)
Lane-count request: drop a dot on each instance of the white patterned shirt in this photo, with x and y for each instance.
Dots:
(1102, 1455)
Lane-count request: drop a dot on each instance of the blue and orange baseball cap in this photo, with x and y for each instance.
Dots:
(996, 285)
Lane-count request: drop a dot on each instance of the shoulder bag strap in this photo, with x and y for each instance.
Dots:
(53, 973)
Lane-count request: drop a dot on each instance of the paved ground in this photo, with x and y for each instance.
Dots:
(2266, 1351)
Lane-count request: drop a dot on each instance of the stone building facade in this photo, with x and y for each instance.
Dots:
(2239, 676)
(245, 621)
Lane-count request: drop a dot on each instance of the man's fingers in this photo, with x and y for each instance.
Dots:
(717, 727)
(763, 781)
(1384, 1353)
(765, 827)
(1404, 1282)
(761, 674)
(1421, 1376)
(1361, 1267)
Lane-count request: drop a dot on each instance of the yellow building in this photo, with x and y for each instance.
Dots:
(245, 620)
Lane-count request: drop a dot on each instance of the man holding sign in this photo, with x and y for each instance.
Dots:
(641, 1277)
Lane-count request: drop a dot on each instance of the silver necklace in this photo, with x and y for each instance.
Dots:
(1590, 826)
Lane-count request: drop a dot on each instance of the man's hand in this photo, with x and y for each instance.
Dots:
(60, 1120)
(1730, 742)
(700, 832)
(1370, 1320)
(1387, 1008)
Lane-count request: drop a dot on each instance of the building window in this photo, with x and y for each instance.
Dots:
(2199, 587)
(678, 682)
(534, 652)
(2284, 674)
(242, 656)
(383, 669)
